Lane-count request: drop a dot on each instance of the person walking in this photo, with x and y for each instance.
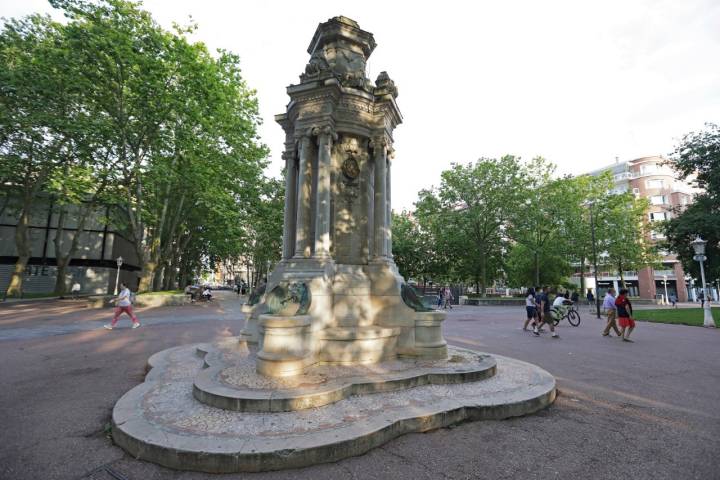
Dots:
(624, 313)
(530, 309)
(611, 311)
(447, 298)
(440, 297)
(123, 305)
(701, 297)
(673, 300)
(545, 317)
(590, 297)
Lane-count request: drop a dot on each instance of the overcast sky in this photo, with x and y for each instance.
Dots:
(576, 82)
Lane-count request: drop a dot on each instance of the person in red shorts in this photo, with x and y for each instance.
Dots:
(624, 314)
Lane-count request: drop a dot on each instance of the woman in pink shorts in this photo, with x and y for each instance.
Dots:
(624, 313)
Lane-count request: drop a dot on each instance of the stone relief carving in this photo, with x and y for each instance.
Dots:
(257, 294)
(289, 299)
(411, 298)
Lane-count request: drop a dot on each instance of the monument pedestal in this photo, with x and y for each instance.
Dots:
(239, 421)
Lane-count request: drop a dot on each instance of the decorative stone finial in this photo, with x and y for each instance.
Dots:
(385, 86)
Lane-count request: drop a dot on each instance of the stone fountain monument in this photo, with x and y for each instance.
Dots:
(338, 355)
(337, 245)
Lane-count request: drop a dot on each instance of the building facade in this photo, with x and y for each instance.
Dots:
(650, 178)
(94, 265)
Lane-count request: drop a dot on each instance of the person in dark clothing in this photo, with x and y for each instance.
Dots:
(546, 317)
(575, 296)
(590, 296)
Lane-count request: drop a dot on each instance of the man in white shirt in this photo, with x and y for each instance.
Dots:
(75, 290)
(611, 310)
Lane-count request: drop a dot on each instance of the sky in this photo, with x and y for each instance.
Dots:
(577, 82)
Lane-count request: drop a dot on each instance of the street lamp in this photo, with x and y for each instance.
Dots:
(590, 204)
(665, 283)
(699, 246)
(119, 262)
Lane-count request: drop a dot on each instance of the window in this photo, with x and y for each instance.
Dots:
(648, 168)
(658, 216)
(654, 183)
(636, 191)
(657, 200)
(684, 200)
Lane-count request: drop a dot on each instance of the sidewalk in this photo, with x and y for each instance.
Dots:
(25, 321)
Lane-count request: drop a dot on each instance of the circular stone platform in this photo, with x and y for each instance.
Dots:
(161, 421)
(231, 381)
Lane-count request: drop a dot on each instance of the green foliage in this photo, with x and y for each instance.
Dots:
(465, 216)
(111, 108)
(624, 234)
(521, 267)
(698, 156)
(412, 247)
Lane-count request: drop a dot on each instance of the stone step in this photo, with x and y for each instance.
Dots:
(230, 380)
(160, 421)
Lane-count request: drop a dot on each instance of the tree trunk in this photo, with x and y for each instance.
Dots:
(60, 285)
(622, 277)
(582, 274)
(537, 269)
(22, 244)
(483, 275)
(147, 274)
(158, 278)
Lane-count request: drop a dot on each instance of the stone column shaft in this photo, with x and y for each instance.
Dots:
(290, 200)
(380, 208)
(322, 217)
(302, 230)
(388, 203)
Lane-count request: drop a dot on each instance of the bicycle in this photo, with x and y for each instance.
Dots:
(568, 312)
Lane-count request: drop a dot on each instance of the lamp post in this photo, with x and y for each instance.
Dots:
(119, 262)
(699, 246)
(594, 252)
(665, 284)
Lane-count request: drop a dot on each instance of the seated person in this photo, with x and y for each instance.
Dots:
(206, 293)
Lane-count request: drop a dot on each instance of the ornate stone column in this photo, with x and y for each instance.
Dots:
(388, 203)
(379, 147)
(289, 226)
(302, 225)
(325, 138)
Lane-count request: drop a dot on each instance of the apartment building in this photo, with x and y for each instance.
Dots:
(653, 179)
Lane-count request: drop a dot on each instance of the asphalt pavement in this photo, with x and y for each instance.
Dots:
(643, 410)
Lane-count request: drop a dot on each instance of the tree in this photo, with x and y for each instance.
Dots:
(697, 158)
(625, 242)
(183, 126)
(466, 216)
(538, 224)
(44, 128)
(412, 250)
(522, 269)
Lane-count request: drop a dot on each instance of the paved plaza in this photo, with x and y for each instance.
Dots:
(643, 410)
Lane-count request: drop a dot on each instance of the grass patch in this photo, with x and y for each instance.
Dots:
(164, 292)
(679, 316)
